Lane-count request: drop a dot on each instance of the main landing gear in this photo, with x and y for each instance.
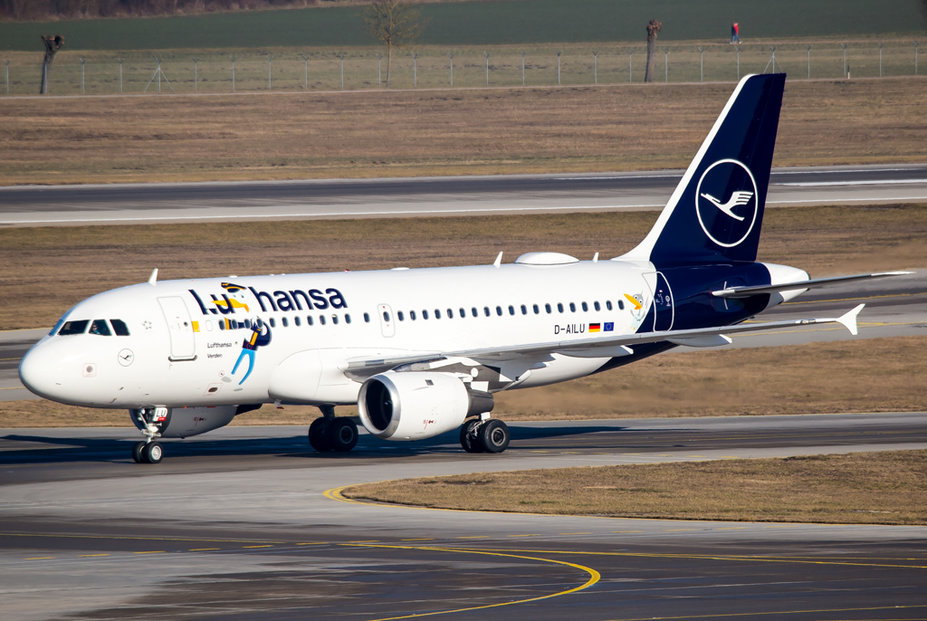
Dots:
(484, 436)
(332, 433)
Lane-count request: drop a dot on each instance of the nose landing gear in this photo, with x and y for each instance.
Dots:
(150, 421)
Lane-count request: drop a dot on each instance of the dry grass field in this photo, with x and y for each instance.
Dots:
(862, 488)
(435, 132)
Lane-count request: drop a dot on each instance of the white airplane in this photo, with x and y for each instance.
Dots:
(422, 351)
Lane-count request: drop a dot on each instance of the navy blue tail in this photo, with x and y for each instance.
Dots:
(716, 212)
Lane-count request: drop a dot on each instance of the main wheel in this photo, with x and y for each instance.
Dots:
(469, 436)
(152, 453)
(319, 437)
(342, 434)
(494, 436)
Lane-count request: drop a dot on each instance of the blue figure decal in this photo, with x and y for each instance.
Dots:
(260, 336)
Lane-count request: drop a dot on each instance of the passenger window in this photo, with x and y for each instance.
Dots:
(559, 307)
(537, 311)
(308, 320)
(548, 309)
(322, 318)
(474, 312)
(524, 309)
(366, 317)
(499, 310)
(401, 315)
(286, 324)
(412, 315)
(620, 304)
(608, 304)
(596, 306)
(74, 327)
(486, 311)
(450, 313)
(347, 318)
(100, 327)
(585, 307)
(424, 314)
(572, 307)
(463, 313)
(120, 327)
(335, 319)
(437, 313)
(296, 321)
(511, 310)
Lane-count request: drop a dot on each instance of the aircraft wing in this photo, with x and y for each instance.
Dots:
(745, 292)
(599, 346)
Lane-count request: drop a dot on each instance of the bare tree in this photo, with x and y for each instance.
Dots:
(653, 29)
(394, 23)
(52, 45)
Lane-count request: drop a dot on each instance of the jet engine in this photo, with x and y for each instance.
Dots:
(415, 405)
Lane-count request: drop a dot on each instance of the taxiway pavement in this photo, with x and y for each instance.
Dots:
(247, 523)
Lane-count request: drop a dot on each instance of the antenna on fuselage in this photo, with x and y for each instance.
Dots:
(498, 261)
(153, 279)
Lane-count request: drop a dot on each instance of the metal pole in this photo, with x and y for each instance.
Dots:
(341, 58)
(558, 68)
(82, 61)
(268, 72)
(630, 66)
(701, 64)
(233, 74)
(595, 67)
(738, 62)
(306, 74)
(414, 69)
(523, 64)
(379, 63)
(772, 59)
(665, 65)
(159, 76)
(7, 63)
(451, 58)
(880, 59)
(844, 45)
(195, 74)
(809, 62)
(486, 54)
(120, 75)
(915, 59)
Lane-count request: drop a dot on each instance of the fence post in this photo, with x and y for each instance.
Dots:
(82, 62)
(915, 59)
(306, 73)
(630, 65)
(738, 62)
(809, 62)
(451, 59)
(196, 62)
(595, 67)
(7, 63)
(379, 63)
(269, 87)
(844, 46)
(523, 64)
(486, 54)
(414, 69)
(558, 68)
(701, 64)
(120, 75)
(665, 65)
(233, 74)
(880, 59)
(341, 58)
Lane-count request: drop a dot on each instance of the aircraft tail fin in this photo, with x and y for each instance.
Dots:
(716, 212)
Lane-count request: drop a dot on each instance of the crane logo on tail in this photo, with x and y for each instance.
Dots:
(726, 222)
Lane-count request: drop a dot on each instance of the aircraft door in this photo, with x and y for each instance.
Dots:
(183, 344)
(387, 325)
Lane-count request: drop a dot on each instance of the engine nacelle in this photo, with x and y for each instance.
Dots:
(184, 422)
(416, 405)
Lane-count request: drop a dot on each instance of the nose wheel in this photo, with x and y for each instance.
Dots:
(147, 453)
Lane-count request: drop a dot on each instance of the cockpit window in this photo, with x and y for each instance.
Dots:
(119, 327)
(100, 327)
(74, 327)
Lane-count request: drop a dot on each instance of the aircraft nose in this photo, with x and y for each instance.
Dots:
(37, 372)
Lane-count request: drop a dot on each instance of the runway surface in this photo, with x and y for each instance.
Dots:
(242, 523)
(148, 203)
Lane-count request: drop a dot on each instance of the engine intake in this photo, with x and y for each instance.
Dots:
(417, 405)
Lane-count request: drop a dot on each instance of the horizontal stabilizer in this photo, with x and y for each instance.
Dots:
(848, 320)
(745, 292)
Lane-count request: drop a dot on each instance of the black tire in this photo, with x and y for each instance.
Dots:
(319, 438)
(153, 453)
(494, 436)
(342, 434)
(469, 436)
(137, 456)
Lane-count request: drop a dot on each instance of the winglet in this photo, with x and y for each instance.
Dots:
(848, 320)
